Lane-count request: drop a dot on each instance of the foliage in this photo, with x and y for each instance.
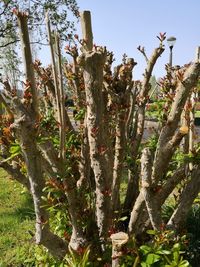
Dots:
(155, 110)
(168, 208)
(10, 62)
(78, 260)
(193, 229)
(165, 249)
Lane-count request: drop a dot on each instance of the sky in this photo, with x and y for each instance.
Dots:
(122, 26)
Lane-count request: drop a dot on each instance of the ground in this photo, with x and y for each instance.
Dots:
(16, 220)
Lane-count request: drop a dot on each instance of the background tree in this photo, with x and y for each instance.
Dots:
(59, 12)
(10, 63)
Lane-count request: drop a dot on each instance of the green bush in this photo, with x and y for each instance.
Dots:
(163, 249)
(193, 229)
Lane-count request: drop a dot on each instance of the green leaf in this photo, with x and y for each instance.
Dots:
(123, 218)
(163, 252)
(152, 258)
(184, 263)
(151, 232)
(30, 260)
(145, 249)
(15, 148)
(176, 246)
(176, 256)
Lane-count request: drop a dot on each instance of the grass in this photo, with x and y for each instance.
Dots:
(197, 113)
(16, 219)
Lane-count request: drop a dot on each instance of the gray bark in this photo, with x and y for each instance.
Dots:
(187, 197)
(99, 148)
(92, 63)
(153, 207)
(27, 59)
(24, 126)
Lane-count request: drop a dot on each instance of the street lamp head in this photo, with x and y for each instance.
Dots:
(171, 41)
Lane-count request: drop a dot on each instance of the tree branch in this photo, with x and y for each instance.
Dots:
(187, 197)
(153, 207)
(16, 174)
(169, 138)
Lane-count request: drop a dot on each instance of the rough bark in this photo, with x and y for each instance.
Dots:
(27, 59)
(153, 207)
(118, 160)
(50, 159)
(113, 124)
(93, 76)
(24, 125)
(92, 63)
(118, 241)
(171, 183)
(26, 135)
(85, 164)
(139, 216)
(187, 197)
(86, 30)
(136, 214)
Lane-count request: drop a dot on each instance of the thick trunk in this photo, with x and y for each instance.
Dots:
(93, 63)
(98, 140)
(24, 125)
(76, 211)
(26, 134)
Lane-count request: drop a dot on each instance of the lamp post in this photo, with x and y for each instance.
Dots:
(171, 42)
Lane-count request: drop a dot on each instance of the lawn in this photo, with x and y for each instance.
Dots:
(16, 220)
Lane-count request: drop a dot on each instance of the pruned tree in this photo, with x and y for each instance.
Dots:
(86, 163)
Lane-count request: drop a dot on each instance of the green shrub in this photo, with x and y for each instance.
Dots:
(164, 249)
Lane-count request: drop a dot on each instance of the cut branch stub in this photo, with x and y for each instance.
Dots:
(197, 54)
(86, 30)
(118, 240)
